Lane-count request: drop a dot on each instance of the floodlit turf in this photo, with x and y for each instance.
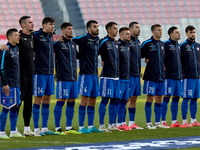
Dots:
(96, 137)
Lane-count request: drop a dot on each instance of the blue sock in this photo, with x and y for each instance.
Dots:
(3, 119)
(165, 107)
(45, 115)
(81, 115)
(121, 108)
(69, 113)
(148, 111)
(131, 114)
(112, 110)
(174, 107)
(102, 109)
(184, 108)
(90, 114)
(124, 118)
(36, 115)
(193, 108)
(58, 112)
(13, 118)
(157, 111)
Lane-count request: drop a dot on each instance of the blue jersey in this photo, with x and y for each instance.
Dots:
(172, 60)
(88, 53)
(43, 47)
(65, 58)
(10, 70)
(108, 49)
(154, 51)
(135, 57)
(190, 58)
(124, 60)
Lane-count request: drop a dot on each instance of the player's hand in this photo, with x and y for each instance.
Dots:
(102, 63)
(60, 38)
(4, 47)
(6, 90)
(146, 61)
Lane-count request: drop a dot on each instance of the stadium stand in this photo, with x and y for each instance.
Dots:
(147, 12)
(12, 10)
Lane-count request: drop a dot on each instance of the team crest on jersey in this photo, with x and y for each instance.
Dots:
(197, 48)
(116, 46)
(162, 48)
(73, 46)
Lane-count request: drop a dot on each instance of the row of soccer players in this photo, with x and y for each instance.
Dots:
(121, 72)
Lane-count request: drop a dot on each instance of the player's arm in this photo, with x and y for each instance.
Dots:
(79, 40)
(55, 46)
(144, 48)
(4, 80)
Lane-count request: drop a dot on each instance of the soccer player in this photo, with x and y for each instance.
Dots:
(190, 58)
(43, 77)
(135, 69)
(88, 81)
(173, 76)
(124, 74)
(26, 50)
(154, 50)
(109, 82)
(66, 75)
(10, 80)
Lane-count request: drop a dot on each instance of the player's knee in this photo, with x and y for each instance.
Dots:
(150, 98)
(71, 100)
(46, 99)
(38, 100)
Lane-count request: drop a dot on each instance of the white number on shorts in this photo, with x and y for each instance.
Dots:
(169, 90)
(65, 91)
(40, 90)
(85, 89)
(109, 92)
(151, 89)
(189, 92)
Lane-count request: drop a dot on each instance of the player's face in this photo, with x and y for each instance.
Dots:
(29, 24)
(68, 32)
(48, 27)
(136, 30)
(176, 34)
(14, 38)
(113, 30)
(126, 35)
(94, 29)
(191, 34)
(158, 32)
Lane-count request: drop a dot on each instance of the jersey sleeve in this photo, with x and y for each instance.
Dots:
(4, 61)
(144, 49)
(56, 46)
(79, 40)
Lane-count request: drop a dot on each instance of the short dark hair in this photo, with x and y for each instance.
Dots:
(189, 28)
(64, 25)
(10, 32)
(109, 24)
(171, 30)
(47, 20)
(132, 23)
(89, 23)
(154, 26)
(123, 29)
(23, 20)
